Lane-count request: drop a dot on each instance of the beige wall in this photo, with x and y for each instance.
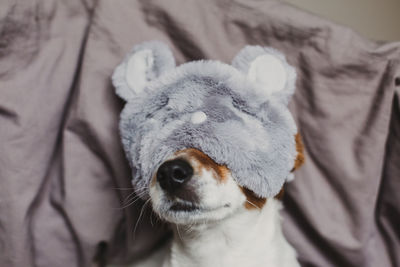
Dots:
(376, 19)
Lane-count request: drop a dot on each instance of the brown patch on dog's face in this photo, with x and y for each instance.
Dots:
(279, 196)
(153, 180)
(205, 162)
(253, 201)
(297, 163)
(300, 153)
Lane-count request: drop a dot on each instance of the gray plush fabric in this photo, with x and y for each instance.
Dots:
(247, 126)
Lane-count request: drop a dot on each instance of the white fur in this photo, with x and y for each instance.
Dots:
(251, 238)
(247, 238)
(223, 232)
(218, 200)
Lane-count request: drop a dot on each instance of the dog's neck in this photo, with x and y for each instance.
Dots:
(246, 238)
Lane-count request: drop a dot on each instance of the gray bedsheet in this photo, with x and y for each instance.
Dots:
(63, 174)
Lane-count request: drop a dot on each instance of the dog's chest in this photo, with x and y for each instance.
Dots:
(236, 243)
(251, 239)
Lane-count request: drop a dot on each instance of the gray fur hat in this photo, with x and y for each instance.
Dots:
(236, 114)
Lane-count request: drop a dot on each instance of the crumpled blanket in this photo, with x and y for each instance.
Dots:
(65, 197)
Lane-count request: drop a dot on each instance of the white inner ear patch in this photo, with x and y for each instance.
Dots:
(137, 68)
(198, 117)
(269, 72)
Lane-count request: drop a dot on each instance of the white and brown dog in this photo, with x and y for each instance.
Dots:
(216, 222)
(210, 146)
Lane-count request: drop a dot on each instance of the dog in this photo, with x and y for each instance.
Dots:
(211, 146)
(216, 222)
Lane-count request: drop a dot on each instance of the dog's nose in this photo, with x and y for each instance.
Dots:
(173, 174)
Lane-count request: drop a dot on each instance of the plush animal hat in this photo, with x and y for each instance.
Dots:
(236, 114)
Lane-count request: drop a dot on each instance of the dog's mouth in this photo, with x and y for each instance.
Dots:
(191, 207)
(184, 207)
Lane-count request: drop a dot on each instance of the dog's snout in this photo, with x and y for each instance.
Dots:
(173, 174)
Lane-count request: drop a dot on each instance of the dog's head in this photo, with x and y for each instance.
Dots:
(190, 187)
(206, 136)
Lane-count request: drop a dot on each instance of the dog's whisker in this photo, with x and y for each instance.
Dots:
(133, 195)
(128, 196)
(190, 227)
(179, 234)
(254, 205)
(142, 188)
(130, 203)
(158, 218)
(123, 188)
(140, 216)
(151, 218)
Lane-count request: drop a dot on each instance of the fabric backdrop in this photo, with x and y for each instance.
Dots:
(64, 180)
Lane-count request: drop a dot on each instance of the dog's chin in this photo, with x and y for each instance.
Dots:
(179, 213)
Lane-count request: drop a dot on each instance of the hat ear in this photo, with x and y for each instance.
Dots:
(268, 69)
(146, 62)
